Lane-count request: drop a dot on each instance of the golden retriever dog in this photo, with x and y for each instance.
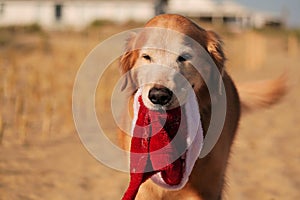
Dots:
(206, 181)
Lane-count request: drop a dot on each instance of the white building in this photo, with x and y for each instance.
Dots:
(227, 12)
(80, 13)
(72, 13)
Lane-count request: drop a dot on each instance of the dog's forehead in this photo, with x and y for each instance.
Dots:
(164, 39)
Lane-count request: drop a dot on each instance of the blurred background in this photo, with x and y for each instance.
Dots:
(44, 42)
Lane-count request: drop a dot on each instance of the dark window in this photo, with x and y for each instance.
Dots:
(206, 19)
(2, 5)
(58, 11)
(273, 23)
(230, 19)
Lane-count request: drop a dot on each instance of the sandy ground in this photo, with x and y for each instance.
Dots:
(265, 161)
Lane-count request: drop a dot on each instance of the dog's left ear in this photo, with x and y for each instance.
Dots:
(215, 49)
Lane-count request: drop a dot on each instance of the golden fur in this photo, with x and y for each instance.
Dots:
(207, 179)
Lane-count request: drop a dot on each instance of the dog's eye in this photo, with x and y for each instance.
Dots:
(184, 57)
(146, 57)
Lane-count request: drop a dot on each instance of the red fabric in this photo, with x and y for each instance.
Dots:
(154, 130)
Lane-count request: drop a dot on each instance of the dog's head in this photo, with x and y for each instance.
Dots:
(165, 59)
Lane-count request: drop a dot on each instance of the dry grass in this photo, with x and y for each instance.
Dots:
(42, 158)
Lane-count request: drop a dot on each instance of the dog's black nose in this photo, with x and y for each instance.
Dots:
(160, 95)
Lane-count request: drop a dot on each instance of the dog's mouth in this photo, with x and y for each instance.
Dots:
(173, 174)
(176, 175)
(165, 145)
(174, 144)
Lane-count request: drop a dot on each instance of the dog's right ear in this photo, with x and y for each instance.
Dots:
(128, 59)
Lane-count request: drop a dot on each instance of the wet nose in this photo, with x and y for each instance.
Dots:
(160, 95)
